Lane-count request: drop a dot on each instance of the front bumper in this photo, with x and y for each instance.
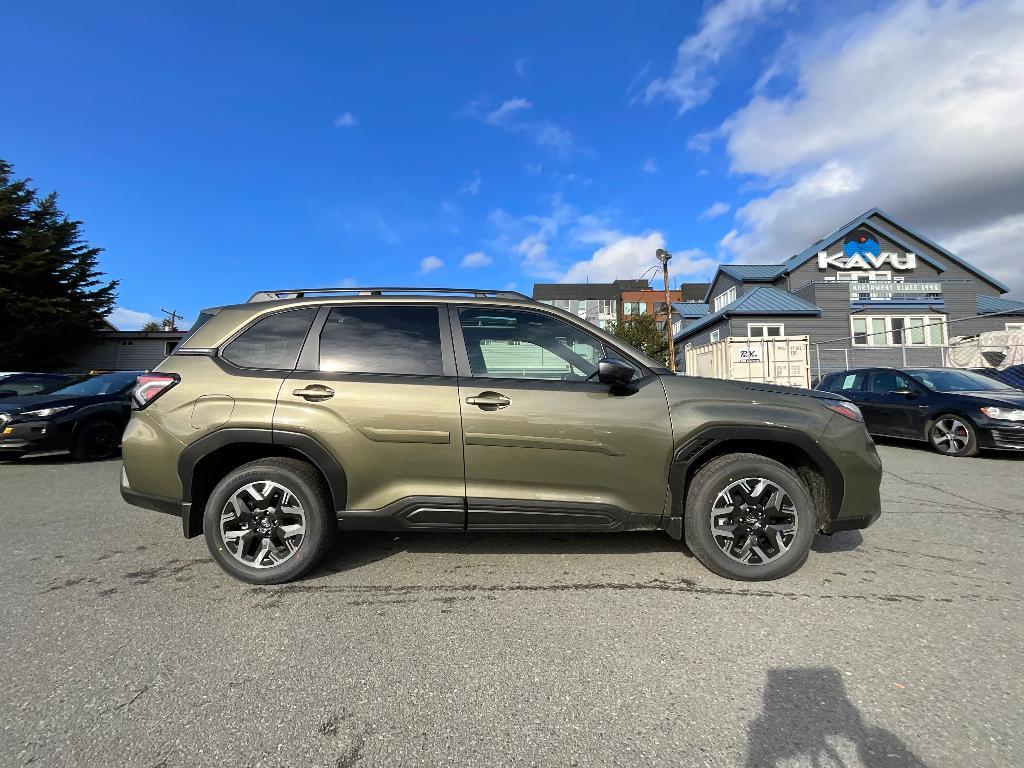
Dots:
(33, 436)
(1000, 434)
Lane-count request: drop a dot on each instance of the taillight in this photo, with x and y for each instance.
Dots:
(150, 386)
(843, 408)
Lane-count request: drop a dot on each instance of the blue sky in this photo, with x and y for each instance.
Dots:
(214, 149)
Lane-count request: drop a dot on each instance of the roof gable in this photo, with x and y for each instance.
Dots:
(864, 219)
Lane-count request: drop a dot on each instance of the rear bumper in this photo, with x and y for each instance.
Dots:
(148, 500)
(853, 451)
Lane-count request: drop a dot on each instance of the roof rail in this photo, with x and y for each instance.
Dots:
(298, 293)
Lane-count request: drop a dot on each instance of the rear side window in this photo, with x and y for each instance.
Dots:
(273, 342)
(402, 340)
(845, 383)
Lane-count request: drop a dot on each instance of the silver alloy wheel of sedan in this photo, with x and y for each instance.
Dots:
(753, 521)
(950, 435)
(262, 524)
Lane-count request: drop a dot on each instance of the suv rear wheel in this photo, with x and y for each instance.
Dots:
(749, 518)
(270, 521)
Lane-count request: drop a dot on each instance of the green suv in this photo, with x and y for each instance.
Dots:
(301, 413)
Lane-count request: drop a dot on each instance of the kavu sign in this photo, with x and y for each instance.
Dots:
(862, 251)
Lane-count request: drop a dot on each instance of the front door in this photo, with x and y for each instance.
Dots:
(546, 444)
(376, 386)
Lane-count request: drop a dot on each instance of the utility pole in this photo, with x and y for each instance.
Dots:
(663, 257)
(172, 318)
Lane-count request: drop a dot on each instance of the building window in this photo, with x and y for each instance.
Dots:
(761, 330)
(169, 347)
(1015, 326)
(715, 335)
(634, 308)
(897, 331)
(725, 298)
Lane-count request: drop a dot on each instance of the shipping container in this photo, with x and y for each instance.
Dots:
(772, 360)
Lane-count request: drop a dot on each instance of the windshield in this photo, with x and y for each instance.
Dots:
(958, 381)
(102, 384)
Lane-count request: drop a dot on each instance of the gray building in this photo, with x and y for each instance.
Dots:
(873, 292)
(114, 350)
(605, 303)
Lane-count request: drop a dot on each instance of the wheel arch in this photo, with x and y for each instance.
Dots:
(203, 463)
(789, 447)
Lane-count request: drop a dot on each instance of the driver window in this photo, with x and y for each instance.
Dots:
(507, 343)
(884, 382)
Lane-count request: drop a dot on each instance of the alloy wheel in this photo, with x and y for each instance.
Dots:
(262, 524)
(753, 521)
(950, 435)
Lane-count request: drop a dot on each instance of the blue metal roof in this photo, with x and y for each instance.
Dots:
(754, 272)
(988, 305)
(762, 300)
(690, 308)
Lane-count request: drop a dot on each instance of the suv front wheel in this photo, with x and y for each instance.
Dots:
(749, 518)
(270, 521)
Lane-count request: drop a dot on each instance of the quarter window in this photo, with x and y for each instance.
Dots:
(396, 340)
(273, 342)
(515, 344)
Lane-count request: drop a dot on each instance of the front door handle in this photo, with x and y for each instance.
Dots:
(314, 392)
(489, 401)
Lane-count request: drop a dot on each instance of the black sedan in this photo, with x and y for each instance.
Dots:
(86, 417)
(957, 412)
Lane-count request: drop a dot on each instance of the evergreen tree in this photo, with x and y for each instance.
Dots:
(641, 332)
(152, 326)
(52, 295)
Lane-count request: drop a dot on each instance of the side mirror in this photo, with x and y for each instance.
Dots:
(905, 391)
(612, 372)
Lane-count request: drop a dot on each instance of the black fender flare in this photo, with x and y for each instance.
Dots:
(304, 444)
(689, 452)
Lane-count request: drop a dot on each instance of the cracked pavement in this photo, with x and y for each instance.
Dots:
(900, 645)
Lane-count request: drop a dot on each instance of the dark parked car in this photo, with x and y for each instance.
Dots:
(86, 417)
(957, 412)
(21, 384)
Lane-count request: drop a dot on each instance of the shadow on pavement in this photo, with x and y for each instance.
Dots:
(843, 541)
(807, 716)
(54, 457)
(923, 447)
(356, 549)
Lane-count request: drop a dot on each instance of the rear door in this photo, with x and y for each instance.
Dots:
(891, 414)
(376, 386)
(546, 444)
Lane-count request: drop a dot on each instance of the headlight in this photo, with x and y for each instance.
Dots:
(1006, 414)
(44, 412)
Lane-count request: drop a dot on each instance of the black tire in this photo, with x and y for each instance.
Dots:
(96, 440)
(307, 486)
(723, 473)
(957, 441)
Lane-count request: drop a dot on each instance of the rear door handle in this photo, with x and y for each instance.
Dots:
(314, 392)
(489, 401)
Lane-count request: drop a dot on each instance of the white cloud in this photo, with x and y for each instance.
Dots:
(520, 66)
(471, 187)
(630, 257)
(429, 264)
(476, 259)
(920, 114)
(650, 166)
(131, 320)
(714, 210)
(722, 26)
(346, 120)
(509, 116)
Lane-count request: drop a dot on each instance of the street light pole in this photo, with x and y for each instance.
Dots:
(663, 257)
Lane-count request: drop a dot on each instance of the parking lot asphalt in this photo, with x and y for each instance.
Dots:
(124, 644)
